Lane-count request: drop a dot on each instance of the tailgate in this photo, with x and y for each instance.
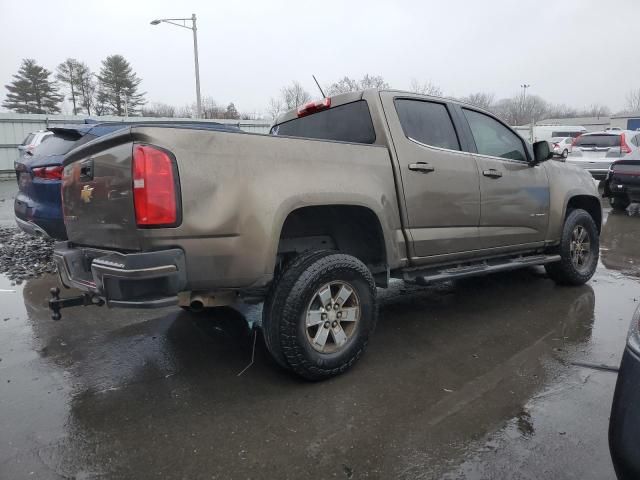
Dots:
(97, 194)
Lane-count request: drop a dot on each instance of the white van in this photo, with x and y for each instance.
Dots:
(547, 132)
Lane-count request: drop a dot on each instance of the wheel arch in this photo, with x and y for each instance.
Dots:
(351, 229)
(590, 204)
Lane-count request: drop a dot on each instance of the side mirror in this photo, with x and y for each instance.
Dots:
(541, 152)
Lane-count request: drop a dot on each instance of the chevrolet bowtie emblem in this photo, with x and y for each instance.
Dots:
(86, 193)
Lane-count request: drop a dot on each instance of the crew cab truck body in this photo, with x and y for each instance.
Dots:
(342, 195)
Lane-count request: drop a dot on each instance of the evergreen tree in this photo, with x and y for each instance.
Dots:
(31, 90)
(232, 112)
(118, 87)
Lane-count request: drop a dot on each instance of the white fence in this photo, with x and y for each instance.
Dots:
(14, 128)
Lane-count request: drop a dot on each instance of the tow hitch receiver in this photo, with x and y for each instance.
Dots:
(56, 303)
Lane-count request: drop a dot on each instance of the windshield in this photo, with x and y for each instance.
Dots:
(350, 122)
(598, 141)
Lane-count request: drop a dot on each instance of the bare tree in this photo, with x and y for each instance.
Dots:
(480, 99)
(425, 88)
(595, 110)
(521, 110)
(372, 81)
(291, 96)
(158, 109)
(346, 84)
(561, 111)
(294, 95)
(343, 85)
(633, 101)
(276, 107)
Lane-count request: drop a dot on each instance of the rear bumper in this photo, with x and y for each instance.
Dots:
(624, 426)
(39, 218)
(616, 188)
(137, 280)
(31, 228)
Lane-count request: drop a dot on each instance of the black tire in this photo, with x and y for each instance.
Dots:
(566, 271)
(619, 203)
(565, 153)
(294, 293)
(270, 319)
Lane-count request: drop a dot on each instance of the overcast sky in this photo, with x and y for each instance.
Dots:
(576, 52)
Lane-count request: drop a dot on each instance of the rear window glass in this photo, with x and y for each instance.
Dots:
(428, 123)
(28, 140)
(61, 143)
(600, 141)
(350, 122)
(566, 134)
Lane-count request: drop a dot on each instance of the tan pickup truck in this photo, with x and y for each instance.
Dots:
(344, 194)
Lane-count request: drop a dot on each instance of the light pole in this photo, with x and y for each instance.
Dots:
(524, 106)
(194, 28)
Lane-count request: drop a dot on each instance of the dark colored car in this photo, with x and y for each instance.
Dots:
(38, 207)
(622, 184)
(624, 426)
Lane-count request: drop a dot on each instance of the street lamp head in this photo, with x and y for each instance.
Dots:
(155, 22)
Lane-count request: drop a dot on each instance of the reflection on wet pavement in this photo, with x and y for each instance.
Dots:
(471, 379)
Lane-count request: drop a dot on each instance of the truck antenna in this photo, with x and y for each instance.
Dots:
(319, 87)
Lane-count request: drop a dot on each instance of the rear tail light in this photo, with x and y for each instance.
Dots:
(313, 107)
(154, 187)
(624, 147)
(48, 173)
(575, 140)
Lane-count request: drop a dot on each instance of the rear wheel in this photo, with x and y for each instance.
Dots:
(321, 314)
(619, 203)
(565, 153)
(579, 250)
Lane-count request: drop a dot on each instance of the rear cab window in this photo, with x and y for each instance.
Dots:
(427, 122)
(350, 122)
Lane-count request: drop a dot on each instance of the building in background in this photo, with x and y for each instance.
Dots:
(626, 121)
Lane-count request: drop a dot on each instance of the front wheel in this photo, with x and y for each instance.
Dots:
(321, 314)
(579, 249)
(619, 203)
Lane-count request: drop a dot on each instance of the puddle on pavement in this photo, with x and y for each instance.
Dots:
(465, 380)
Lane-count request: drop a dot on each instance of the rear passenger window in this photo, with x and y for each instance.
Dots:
(494, 139)
(427, 122)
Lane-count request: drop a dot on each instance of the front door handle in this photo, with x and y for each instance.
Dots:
(492, 173)
(422, 167)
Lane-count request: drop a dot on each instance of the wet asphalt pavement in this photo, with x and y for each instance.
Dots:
(472, 379)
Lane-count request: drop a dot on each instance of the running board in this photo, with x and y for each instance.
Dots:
(438, 274)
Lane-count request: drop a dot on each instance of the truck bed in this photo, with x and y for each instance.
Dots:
(236, 189)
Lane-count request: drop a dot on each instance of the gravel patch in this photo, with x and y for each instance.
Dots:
(23, 256)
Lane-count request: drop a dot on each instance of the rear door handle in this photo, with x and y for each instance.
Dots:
(422, 167)
(492, 173)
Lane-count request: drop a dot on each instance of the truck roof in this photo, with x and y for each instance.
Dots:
(349, 97)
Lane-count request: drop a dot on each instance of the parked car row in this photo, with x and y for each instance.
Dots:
(597, 151)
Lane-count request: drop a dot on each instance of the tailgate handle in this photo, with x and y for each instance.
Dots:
(86, 169)
(421, 167)
(492, 173)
